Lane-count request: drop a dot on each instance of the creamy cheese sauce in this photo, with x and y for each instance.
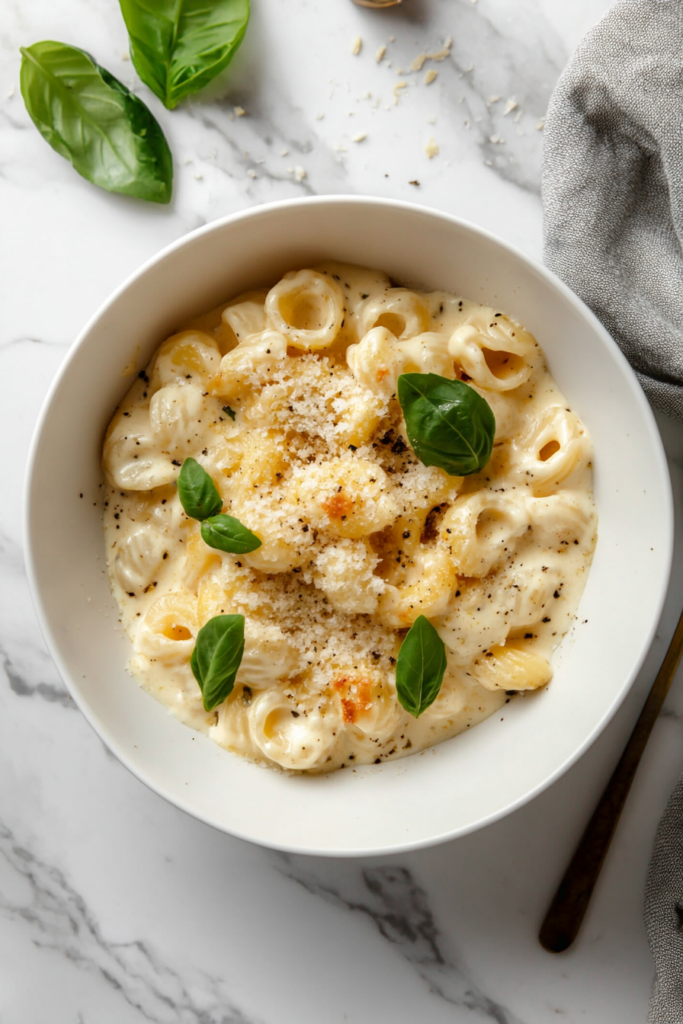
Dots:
(287, 398)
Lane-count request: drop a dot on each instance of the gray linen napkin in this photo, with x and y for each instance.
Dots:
(613, 186)
(613, 206)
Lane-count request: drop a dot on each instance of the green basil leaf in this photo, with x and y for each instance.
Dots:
(179, 46)
(227, 534)
(420, 667)
(197, 491)
(449, 425)
(216, 657)
(92, 120)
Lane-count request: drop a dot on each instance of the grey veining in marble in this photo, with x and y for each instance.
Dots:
(115, 908)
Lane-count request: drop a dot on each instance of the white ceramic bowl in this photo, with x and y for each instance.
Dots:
(468, 781)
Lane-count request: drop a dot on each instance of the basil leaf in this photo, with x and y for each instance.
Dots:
(227, 534)
(420, 667)
(178, 46)
(197, 491)
(92, 120)
(217, 656)
(449, 425)
(229, 412)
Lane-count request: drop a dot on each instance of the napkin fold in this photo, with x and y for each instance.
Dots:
(613, 229)
(613, 186)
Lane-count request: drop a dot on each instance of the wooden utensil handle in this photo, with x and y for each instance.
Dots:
(569, 905)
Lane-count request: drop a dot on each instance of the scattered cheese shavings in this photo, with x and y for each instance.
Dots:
(431, 149)
(541, 124)
(379, 56)
(199, 176)
(431, 76)
(356, 46)
(392, 39)
(341, 148)
(418, 62)
(491, 100)
(397, 90)
(431, 120)
(518, 116)
(319, 117)
(284, 152)
(251, 173)
(300, 173)
(10, 94)
(496, 140)
(511, 105)
(240, 111)
(360, 137)
(126, 56)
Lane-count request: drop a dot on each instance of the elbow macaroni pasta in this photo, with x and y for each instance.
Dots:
(287, 397)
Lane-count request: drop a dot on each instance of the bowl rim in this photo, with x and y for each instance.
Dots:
(195, 237)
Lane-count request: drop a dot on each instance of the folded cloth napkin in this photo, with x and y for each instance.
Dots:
(613, 207)
(613, 186)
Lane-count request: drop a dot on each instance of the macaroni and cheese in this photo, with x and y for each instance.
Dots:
(287, 398)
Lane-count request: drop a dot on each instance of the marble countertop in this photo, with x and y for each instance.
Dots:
(116, 908)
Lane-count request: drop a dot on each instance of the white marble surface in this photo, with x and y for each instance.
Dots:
(115, 908)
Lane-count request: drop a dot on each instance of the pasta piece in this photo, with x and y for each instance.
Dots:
(232, 730)
(534, 587)
(168, 630)
(138, 557)
(376, 361)
(429, 584)
(250, 364)
(550, 451)
(512, 667)
(177, 688)
(401, 311)
(492, 351)
(426, 353)
(344, 573)
(481, 531)
(246, 316)
(307, 308)
(263, 462)
(478, 619)
(346, 497)
(130, 457)
(184, 357)
(268, 657)
(560, 520)
(454, 694)
(200, 559)
(291, 733)
(367, 706)
(176, 414)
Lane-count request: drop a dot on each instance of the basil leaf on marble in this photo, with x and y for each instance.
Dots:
(449, 424)
(91, 119)
(227, 534)
(216, 657)
(179, 46)
(420, 667)
(197, 492)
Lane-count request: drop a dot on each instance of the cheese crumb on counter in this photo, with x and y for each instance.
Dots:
(356, 46)
(379, 56)
(431, 149)
(431, 76)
